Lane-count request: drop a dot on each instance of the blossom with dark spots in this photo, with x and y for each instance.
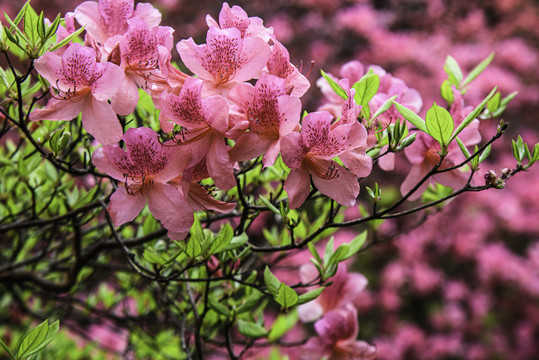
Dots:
(80, 84)
(145, 169)
(310, 154)
(226, 59)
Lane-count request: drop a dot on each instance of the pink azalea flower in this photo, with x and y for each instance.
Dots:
(337, 332)
(226, 59)
(271, 114)
(279, 65)
(205, 121)
(310, 154)
(145, 169)
(236, 17)
(139, 51)
(81, 85)
(107, 18)
(344, 290)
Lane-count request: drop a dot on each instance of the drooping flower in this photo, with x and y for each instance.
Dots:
(279, 65)
(310, 154)
(204, 122)
(145, 169)
(236, 17)
(271, 114)
(107, 18)
(226, 59)
(337, 338)
(81, 85)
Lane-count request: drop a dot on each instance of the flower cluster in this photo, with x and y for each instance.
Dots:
(126, 49)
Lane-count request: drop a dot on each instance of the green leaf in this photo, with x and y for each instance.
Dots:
(440, 124)
(494, 103)
(51, 334)
(21, 13)
(485, 154)
(282, 325)
(503, 104)
(218, 307)
(471, 116)
(194, 247)
(446, 91)
(271, 281)
(41, 27)
(310, 296)
(329, 251)
(338, 255)
(535, 156)
(68, 39)
(477, 70)
(314, 252)
(286, 296)
(51, 30)
(31, 24)
(411, 116)
(250, 302)
(385, 106)
(366, 88)
(355, 245)
(237, 242)
(153, 257)
(251, 329)
(463, 148)
(222, 239)
(453, 70)
(269, 205)
(334, 85)
(33, 339)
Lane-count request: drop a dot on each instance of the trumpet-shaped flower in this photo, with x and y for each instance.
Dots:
(271, 114)
(145, 169)
(205, 121)
(236, 17)
(226, 59)
(310, 154)
(81, 85)
(107, 18)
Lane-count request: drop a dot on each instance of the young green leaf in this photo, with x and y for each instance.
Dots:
(271, 281)
(446, 91)
(218, 307)
(194, 246)
(237, 242)
(453, 70)
(269, 205)
(310, 296)
(503, 104)
(282, 324)
(251, 329)
(51, 334)
(477, 70)
(33, 339)
(385, 106)
(463, 148)
(471, 116)
(222, 239)
(366, 88)
(153, 257)
(286, 296)
(484, 154)
(411, 116)
(334, 85)
(494, 103)
(355, 245)
(440, 124)
(68, 39)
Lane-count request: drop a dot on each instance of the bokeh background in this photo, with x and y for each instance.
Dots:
(465, 285)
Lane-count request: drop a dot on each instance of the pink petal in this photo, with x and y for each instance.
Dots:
(216, 113)
(180, 160)
(315, 128)
(107, 158)
(126, 99)
(219, 165)
(100, 121)
(454, 179)
(344, 189)
(192, 55)
(353, 71)
(298, 186)
(115, 14)
(256, 53)
(271, 153)
(416, 173)
(292, 150)
(49, 65)
(148, 13)
(357, 162)
(87, 14)
(167, 204)
(60, 109)
(290, 109)
(123, 207)
(201, 200)
(107, 85)
(248, 146)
